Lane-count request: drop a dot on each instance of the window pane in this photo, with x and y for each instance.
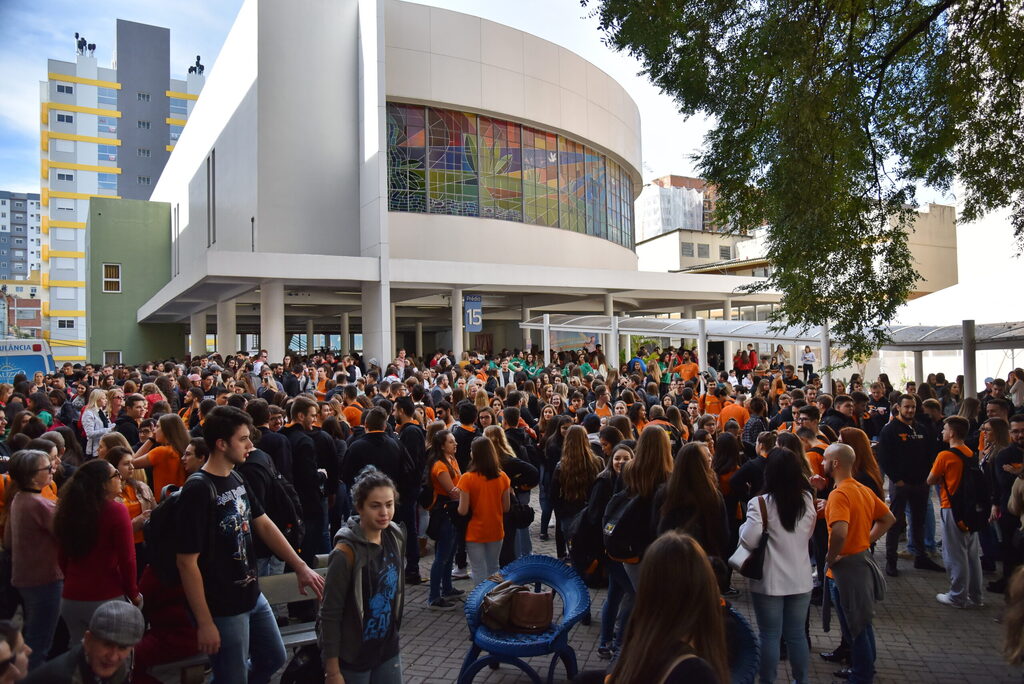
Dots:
(540, 176)
(501, 170)
(407, 169)
(451, 159)
(572, 185)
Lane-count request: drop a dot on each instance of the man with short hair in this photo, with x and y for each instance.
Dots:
(960, 549)
(841, 414)
(273, 443)
(306, 477)
(464, 433)
(225, 599)
(104, 654)
(413, 440)
(128, 422)
(905, 454)
(856, 519)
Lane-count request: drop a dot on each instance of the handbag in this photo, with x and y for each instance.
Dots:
(511, 607)
(305, 666)
(520, 515)
(750, 562)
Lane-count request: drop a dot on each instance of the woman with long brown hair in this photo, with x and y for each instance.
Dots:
(650, 469)
(676, 632)
(865, 467)
(524, 477)
(485, 495)
(690, 502)
(163, 451)
(574, 476)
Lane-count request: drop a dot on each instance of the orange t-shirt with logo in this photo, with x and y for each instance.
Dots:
(435, 475)
(951, 468)
(167, 468)
(687, 371)
(486, 505)
(857, 506)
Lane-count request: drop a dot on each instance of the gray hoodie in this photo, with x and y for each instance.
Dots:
(341, 613)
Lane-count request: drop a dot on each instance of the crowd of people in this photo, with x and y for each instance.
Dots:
(142, 504)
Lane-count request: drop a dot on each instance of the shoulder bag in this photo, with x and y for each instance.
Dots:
(750, 562)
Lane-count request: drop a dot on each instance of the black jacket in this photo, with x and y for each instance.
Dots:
(304, 471)
(463, 439)
(127, 426)
(279, 449)
(291, 384)
(906, 452)
(378, 449)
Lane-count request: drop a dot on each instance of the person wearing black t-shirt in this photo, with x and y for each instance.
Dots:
(217, 562)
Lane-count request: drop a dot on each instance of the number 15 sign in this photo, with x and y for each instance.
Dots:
(473, 313)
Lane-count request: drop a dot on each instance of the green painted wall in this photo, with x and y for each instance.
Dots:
(137, 235)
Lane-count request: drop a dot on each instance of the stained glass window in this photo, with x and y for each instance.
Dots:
(572, 186)
(501, 170)
(407, 158)
(540, 177)
(597, 211)
(451, 161)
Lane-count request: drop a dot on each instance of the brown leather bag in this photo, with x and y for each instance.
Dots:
(511, 607)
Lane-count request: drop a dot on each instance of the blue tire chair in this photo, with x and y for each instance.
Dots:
(744, 648)
(512, 647)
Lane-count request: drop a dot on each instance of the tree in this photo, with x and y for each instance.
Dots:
(829, 116)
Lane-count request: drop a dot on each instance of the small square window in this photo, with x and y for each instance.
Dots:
(686, 249)
(65, 176)
(143, 125)
(145, 180)
(65, 88)
(112, 278)
(65, 118)
(724, 252)
(143, 152)
(111, 358)
(143, 97)
(703, 251)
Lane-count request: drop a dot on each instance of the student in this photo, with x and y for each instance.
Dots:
(444, 472)
(959, 547)
(231, 614)
(676, 633)
(782, 596)
(163, 452)
(485, 493)
(364, 595)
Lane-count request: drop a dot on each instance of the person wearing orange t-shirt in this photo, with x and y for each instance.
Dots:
(444, 473)
(960, 547)
(734, 411)
(163, 453)
(856, 518)
(686, 369)
(485, 491)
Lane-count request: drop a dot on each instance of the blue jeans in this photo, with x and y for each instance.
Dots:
(271, 565)
(524, 545)
(929, 529)
(618, 604)
(444, 557)
(42, 610)
(388, 672)
(546, 505)
(782, 616)
(251, 650)
(862, 648)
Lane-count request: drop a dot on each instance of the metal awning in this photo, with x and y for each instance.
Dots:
(903, 338)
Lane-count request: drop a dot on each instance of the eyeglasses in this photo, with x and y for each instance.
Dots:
(117, 473)
(52, 466)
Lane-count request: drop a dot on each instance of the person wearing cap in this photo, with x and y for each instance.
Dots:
(103, 654)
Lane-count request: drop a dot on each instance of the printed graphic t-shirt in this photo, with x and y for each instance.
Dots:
(380, 591)
(229, 566)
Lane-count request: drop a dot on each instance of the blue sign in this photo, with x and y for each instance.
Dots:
(473, 313)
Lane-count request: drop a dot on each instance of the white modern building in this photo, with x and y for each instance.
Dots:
(19, 234)
(362, 166)
(105, 132)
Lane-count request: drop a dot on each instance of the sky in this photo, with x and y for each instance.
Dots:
(31, 31)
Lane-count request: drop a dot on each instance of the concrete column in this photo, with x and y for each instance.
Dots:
(458, 341)
(686, 313)
(730, 346)
(826, 359)
(970, 388)
(702, 343)
(272, 319)
(547, 339)
(376, 308)
(309, 337)
(627, 346)
(611, 352)
(227, 344)
(527, 336)
(346, 335)
(394, 330)
(609, 310)
(197, 334)
(420, 352)
(796, 353)
(919, 367)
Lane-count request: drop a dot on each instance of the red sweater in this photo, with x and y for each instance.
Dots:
(108, 570)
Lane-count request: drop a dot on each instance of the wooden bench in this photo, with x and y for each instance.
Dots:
(277, 589)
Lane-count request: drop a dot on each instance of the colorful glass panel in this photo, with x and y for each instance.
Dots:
(407, 157)
(501, 170)
(572, 186)
(453, 177)
(540, 177)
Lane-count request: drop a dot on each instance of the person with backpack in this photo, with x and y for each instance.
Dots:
(364, 596)
(216, 518)
(964, 498)
(629, 517)
(414, 440)
(619, 599)
(306, 479)
(574, 475)
(442, 473)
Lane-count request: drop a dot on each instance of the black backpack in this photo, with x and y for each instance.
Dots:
(282, 503)
(626, 526)
(970, 503)
(161, 532)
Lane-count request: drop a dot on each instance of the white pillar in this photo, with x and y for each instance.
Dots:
(627, 345)
(546, 343)
(797, 354)
(702, 343)
(376, 308)
(527, 333)
(687, 313)
(826, 359)
(394, 329)
(918, 367)
(730, 345)
(970, 388)
(309, 337)
(420, 351)
(609, 310)
(197, 334)
(457, 334)
(346, 336)
(226, 342)
(611, 352)
(272, 319)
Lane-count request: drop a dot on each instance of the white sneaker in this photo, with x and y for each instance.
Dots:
(948, 600)
(460, 573)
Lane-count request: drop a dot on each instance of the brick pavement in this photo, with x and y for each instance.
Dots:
(918, 640)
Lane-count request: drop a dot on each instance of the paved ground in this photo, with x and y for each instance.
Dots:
(918, 639)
